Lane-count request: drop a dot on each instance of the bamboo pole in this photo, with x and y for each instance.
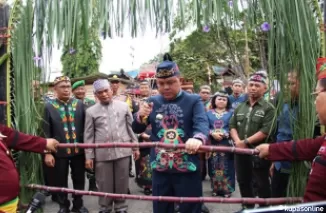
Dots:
(322, 127)
(264, 201)
(159, 145)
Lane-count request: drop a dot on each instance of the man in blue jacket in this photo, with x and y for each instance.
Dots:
(176, 117)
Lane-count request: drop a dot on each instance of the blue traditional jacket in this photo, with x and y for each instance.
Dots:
(235, 101)
(219, 123)
(285, 123)
(174, 122)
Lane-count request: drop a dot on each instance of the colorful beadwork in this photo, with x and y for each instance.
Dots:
(67, 114)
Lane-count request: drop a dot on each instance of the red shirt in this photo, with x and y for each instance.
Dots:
(306, 150)
(9, 178)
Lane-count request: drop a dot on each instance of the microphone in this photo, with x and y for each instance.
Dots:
(36, 203)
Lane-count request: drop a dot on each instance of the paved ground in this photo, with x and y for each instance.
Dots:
(144, 206)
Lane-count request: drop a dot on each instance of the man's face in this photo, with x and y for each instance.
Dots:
(256, 89)
(63, 90)
(155, 92)
(144, 90)
(321, 103)
(115, 86)
(237, 88)
(205, 94)
(293, 84)
(104, 95)
(169, 87)
(80, 92)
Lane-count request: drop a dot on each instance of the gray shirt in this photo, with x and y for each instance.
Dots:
(107, 124)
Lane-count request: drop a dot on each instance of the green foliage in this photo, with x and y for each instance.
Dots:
(222, 45)
(27, 117)
(84, 60)
(293, 23)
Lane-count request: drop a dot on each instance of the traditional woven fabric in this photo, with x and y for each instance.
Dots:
(258, 77)
(167, 69)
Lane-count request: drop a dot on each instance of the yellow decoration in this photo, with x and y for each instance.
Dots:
(10, 207)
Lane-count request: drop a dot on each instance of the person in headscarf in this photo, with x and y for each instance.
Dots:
(109, 121)
(220, 165)
(64, 119)
(176, 117)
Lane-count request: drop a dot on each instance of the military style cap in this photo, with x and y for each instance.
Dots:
(114, 78)
(60, 79)
(78, 84)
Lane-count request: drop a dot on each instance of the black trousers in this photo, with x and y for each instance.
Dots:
(246, 168)
(279, 183)
(77, 165)
(203, 166)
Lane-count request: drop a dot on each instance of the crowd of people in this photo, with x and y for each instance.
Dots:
(243, 119)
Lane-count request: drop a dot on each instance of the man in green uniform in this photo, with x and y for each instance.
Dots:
(251, 125)
(79, 91)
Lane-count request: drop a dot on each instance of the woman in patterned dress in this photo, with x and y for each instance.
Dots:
(143, 167)
(220, 165)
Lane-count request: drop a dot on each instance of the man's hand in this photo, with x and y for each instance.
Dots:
(51, 144)
(192, 145)
(89, 164)
(208, 155)
(136, 154)
(145, 136)
(145, 109)
(240, 144)
(49, 160)
(263, 150)
(217, 136)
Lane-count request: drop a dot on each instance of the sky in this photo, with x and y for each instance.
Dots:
(117, 52)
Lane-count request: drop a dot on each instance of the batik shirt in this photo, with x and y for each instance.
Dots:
(174, 122)
(65, 123)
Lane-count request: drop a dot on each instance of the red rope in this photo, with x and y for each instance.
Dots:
(3, 102)
(160, 145)
(264, 201)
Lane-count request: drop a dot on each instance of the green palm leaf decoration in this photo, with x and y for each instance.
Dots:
(294, 41)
